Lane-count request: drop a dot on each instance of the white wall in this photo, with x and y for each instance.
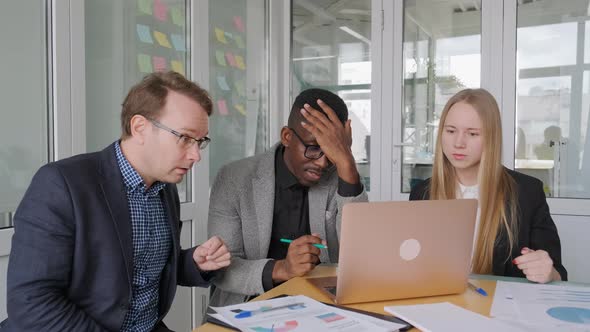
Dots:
(573, 232)
(4, 251)
(3, 267)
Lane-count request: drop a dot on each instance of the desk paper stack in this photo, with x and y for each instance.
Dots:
(542, 307)
(297, 313)
(447, 317)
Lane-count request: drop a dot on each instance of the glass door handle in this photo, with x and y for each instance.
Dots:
(395, 153)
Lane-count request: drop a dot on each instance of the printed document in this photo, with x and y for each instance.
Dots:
(298, 313)
(544, 307)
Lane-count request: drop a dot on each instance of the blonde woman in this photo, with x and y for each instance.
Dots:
(514, 233)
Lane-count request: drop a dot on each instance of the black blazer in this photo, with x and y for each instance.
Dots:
(71, 263)
(536, 228)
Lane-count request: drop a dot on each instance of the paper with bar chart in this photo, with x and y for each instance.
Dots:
(297, 313)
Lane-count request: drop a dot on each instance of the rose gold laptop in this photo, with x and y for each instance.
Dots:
(396, 250)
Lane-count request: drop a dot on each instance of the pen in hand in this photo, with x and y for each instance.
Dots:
(250, 313)
(477, 289)
(317, 245)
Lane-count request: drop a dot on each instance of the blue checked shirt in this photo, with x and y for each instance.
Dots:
(152, 242)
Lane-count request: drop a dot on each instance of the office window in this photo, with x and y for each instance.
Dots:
(442, 55)
(25, 128)
(238, 71)
(331, 49)
(553, 95)
(126, 40)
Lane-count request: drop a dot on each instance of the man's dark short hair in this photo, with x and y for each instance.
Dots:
(310, 96)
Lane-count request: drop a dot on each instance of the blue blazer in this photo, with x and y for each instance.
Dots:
(71, 263)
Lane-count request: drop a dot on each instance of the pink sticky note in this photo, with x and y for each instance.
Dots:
(222, 106)
(239, 24)
(160, 10)
(159, 63)
(230, 59)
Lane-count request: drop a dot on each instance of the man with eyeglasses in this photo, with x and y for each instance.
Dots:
(295, 192)
(97, 236)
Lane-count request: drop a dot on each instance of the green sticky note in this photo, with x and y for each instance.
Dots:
(177, 16)
(239, 41)
(240, 88)
(145, 63)
(145, 6)
(220, 56)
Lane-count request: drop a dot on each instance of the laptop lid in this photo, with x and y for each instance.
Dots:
(395, 250)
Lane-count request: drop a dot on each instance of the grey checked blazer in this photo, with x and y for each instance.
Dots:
(241, 213)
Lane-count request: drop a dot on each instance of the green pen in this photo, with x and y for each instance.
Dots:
(317, 245)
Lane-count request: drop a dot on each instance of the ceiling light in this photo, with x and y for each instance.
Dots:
(355, 34)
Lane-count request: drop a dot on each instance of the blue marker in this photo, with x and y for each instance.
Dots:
(250, 313)
(317, 245)
(477, 289)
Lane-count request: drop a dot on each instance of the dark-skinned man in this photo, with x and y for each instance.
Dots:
(295, 191)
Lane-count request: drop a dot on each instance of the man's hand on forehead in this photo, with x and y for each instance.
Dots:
(332, 136)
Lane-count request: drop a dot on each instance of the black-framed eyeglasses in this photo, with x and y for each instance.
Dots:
(312, 151)
(185, 141)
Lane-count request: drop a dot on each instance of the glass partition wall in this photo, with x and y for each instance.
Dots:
(125, 40)
(238, 81)
(25, 129)
(441, 56)
(553, 95)
(331, 49)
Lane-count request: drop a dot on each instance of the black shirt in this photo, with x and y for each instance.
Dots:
(291, 209)
(291, 212)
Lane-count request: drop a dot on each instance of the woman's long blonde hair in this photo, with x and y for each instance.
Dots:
(496, 186)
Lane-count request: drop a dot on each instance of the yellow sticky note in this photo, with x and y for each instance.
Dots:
(240, 108)
(162, 39)
(178, 67)
(220, 35)
(240, 62)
